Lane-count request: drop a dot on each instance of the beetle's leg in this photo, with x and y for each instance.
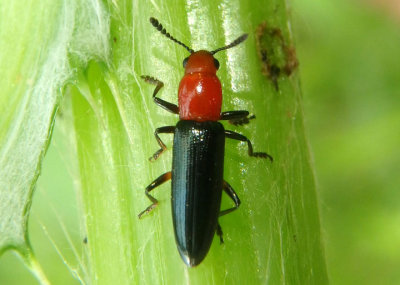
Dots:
(160, 180)
(162, 130)
(232, 194)
(163, 104)
(239, 137)
(237, 118)
(231, 115)
(243, 121)
(219, 233)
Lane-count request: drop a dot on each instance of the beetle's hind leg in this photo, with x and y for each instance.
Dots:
(160, 102)
(160, 180)
(237, 118)
(232, 194)
(162, 130)
(239, 137)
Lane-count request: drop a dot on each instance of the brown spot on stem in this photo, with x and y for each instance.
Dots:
(277, 57)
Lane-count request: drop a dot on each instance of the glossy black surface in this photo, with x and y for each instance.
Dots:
(197, 178)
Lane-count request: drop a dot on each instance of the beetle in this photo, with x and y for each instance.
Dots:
(198, 152)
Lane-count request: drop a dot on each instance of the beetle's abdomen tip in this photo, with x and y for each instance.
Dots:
(191, 261)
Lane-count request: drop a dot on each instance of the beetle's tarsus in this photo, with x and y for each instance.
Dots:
(151, 80)
(220, 234)
(262, 155)
(242, 121)
(157, 154)
(148, 210)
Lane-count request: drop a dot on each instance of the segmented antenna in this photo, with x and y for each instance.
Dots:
(232, 44)
(161, 29)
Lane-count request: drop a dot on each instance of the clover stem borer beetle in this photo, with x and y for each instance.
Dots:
(198, 152)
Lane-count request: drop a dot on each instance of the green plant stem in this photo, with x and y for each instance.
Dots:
(274, 238)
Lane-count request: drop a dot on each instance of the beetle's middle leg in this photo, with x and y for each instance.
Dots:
(160, 180)
(162, 130)
(239, 137)
(237, 118)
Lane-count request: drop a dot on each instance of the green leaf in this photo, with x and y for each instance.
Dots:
(39, 40)
(34, 65)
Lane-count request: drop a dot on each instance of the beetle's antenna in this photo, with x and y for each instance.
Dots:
(232, 44)
(162, 30)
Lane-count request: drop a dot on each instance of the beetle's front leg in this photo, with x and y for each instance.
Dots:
(160, 102)
(239, 137)
(160, 180)
(237, 118)
(162, 130)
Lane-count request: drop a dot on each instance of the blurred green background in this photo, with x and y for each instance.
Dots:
(350, 74)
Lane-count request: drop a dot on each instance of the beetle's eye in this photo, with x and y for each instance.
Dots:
(185, 61)
(216, 63)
